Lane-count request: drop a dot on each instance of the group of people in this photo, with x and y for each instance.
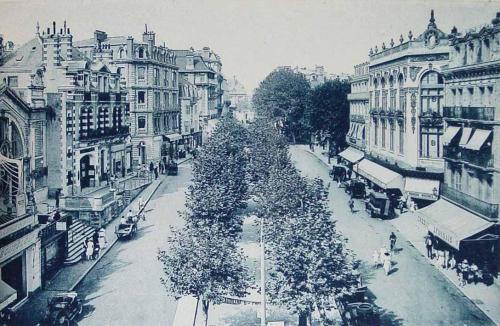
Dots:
(131, 217)
(383, 256)
(92, 246)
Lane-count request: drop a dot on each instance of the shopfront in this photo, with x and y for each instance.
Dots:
(422, 191)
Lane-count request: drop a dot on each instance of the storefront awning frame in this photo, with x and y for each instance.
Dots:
(478, 139)
(381, 176)
(352, 155)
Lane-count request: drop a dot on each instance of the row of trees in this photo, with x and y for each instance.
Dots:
(308, 263)
(203, 259)
(321, 112)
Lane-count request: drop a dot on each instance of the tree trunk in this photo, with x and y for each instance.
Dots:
(196, 311)
(205, 304)
(303, 318)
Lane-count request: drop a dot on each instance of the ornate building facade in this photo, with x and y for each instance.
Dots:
(468, 211)
(190, 114)
(406, 90)
(149, 73)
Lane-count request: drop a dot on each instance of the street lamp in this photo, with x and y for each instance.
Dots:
(262, 275)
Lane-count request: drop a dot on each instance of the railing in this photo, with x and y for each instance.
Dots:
(474, 204)
(133, 183)
(89, 202)
(389, 51)
(105, 132)
(482, 159)
(469, 112)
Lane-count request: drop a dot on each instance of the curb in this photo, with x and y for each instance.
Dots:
(108, 248)
(487, 313)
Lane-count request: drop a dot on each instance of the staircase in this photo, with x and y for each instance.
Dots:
(77, 234)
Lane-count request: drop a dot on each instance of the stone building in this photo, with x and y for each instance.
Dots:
(466, 217)
(240, 103)
(406, 91)
(203, 68)
(149, 73)
(23, 176)
(190, 115)
(87, 128)
(359, 115)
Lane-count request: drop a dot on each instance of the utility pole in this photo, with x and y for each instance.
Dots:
(262, 275)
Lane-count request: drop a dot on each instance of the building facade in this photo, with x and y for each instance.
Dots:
(406, 91)
(190, 115)
(149, 73)
(359, 117)
(203, 68)
(239, 100)
(468, 210)
(87, 125)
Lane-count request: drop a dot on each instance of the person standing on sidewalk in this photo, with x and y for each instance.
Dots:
(428, 245)
(351, 205)
(392, 240)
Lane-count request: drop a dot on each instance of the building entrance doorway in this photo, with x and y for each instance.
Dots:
(87, 173)
(14, 275)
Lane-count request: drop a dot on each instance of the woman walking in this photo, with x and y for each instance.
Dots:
(387, 263)
(90, 249)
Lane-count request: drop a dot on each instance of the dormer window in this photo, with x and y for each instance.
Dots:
(140, 53)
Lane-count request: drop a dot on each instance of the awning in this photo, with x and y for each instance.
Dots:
(355, 130)
(7, 295)
(465, 136)
(450, 133)
(478, 139)
(351, 129)
(381, 176)
(451, 223)
(352, 155)
(422, 188)
(360, 131)
(172, 137)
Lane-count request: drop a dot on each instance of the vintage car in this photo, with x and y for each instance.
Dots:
(172, 168)
(379, 205)
(62, 309)
(338, 172)
(356, 188)
(127, 229)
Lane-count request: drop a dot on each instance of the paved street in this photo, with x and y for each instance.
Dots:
(415, 293)
(124, 287)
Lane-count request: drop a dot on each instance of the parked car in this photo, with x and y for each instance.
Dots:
(62, 309)
(379, 205)
(172, 168)
(356, 188)
(338, 172)
(127, 229)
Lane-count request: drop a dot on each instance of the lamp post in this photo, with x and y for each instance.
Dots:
(262, 275)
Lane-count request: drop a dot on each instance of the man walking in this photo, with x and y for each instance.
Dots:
(428, 245)
(392, 240)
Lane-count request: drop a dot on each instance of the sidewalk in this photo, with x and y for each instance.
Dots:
(484, 297)
(68, 278)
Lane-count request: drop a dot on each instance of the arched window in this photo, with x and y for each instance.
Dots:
(121, 53)
(140, 53)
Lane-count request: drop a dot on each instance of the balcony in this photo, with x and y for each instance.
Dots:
(103, 97)
(469, 113)
(361, 96)
(93, 134)
(487, 210)
(431, 119)
(484, 160)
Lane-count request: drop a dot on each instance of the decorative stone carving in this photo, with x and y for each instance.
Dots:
(413, 104)
(401, 39)
(383, 46)
(392, 43)
(430, 57)
(414, 72)
(410, 35)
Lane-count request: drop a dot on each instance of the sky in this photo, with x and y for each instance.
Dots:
(252, 37)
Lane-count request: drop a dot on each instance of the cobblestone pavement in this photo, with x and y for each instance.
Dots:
(414, 293)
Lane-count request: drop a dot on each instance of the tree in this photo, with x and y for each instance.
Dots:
(204, 263)
(328, 113)
(283, 95)
(219, 185)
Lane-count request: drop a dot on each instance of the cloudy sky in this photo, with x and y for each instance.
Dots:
(252, 37)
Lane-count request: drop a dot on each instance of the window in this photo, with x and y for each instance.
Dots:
(141, 97)
(117, 117)
(375, 136)
(141, 122)
(174, 76)
(103, 119)
(402, 100)
(165, 100)
(12, 81)
(384, 100)
(156, 75)
(121, 54)
(174, 99)
(391, 137)
(157, 100)
(401, 139)
(140, 53)
(384, 130)
(141, 73)
(165, 78)
(377, 96)
(393, 100)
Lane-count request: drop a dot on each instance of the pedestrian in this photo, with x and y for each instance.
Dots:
(392, 240)
(130, 215)
(95, 254)
(84, 251)
(102, 239)
(95, 236)
(156, 172)
(428, 245)
(473, 275)
(57, 216)
(452, 263)
(90, 249)
(464, 269)
(376, 259)
(123, 220)
(412, 206)
(387, 263)
(140, 203)
(351, 205)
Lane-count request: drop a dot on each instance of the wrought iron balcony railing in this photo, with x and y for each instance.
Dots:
(474, 204)
(469, 112)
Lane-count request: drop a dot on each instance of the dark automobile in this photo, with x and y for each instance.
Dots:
(338, 172)
(172, 168)
(127, 229)
(379, 205)
(62, 309)
(356, 188)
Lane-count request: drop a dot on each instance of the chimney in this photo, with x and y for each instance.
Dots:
(51, 44)
(66, 44)
(130, 47)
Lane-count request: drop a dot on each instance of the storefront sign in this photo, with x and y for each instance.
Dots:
(61, 226)
(17, 246)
